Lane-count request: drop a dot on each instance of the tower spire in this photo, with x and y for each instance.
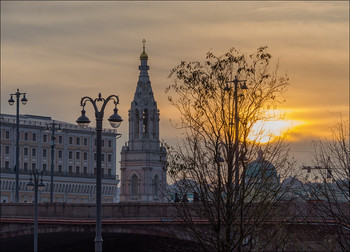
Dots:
(143, 159)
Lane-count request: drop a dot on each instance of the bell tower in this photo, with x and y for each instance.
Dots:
(143, 158)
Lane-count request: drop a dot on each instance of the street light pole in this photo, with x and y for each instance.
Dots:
(236, 144)
(36, 185)
(11, 101)
(83, 121)
(235, 94)
(53, 127)
(218, 160)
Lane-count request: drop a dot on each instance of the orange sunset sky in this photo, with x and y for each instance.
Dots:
(58, 52)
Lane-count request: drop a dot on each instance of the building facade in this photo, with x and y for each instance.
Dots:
(143, 158)
(74, 160)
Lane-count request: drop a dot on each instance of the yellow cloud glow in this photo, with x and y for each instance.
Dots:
(264, 131)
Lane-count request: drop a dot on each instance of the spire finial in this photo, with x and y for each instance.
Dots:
(144, 54)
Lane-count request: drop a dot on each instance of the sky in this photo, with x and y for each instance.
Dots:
(58, 52)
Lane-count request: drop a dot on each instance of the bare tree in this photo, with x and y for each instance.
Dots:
(224, 103)
(331, 189)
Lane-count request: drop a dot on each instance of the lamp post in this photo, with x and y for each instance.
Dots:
(235, 94)
(236, 144)
(11, 101)
(83, 121)
(218, 160)
(36, 185)
(53, 128)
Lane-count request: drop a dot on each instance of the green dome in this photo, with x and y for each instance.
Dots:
(261, 168)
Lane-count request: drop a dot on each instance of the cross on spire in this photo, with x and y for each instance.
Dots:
(144, 44)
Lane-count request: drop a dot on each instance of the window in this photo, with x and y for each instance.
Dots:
(95, 156)
(137, 130)
(25, 166)
(7, 134)
(85, 155)
(45, 138)
(25, 151)
(77, 169)
(156, 186)
(103, 143)
(7, 149)
(109, 143)
(95, 141)
(70, 140)
(77, 141)
(145, 121)
(70, 169)
(7, 164)
(33, 166)
(33, 152)
(44, 152)
(94, 171)
(102, 157)
(109, 172)
(34, 137)
(85, 170)
(70, 155)
(134, 185)
(60, 139)
(44, 167)
(59, 168)
(26, 136)
(109, 158)
(77, 155)
(59, 154)
(85, 141)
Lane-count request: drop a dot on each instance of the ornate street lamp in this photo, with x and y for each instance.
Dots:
(37, 185)
(52, 127)
(83, 121)
(11, 101)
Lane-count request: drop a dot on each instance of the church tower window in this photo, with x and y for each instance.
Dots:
(156, 187)
(137, 120)
(145, 121)
(134, 185)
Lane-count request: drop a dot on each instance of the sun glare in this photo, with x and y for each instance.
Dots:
(267, 131)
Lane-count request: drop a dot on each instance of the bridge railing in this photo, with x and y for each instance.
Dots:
(88, 211)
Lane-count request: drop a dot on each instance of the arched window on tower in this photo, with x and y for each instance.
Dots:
(145, 121)
(134, 185)
(137, 121)
(156, 187)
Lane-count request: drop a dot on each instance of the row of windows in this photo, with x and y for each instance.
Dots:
(78, 140)
(60, 154)
(60, 168)
(23, 135)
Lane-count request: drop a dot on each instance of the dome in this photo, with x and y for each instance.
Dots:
(143, 55)
(261, 168)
